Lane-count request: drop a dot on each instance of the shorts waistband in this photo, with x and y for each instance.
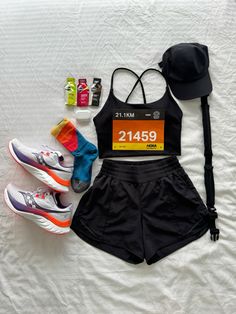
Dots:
(140, 171)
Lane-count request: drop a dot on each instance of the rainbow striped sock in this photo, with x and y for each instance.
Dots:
(83, 151)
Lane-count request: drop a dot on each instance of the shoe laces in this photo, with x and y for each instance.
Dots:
(41, 193)
(50, 151)
(47, 148)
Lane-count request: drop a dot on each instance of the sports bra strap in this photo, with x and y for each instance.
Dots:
(138, 81)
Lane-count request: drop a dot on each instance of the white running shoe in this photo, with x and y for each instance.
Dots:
(45, 165)
(42, 207)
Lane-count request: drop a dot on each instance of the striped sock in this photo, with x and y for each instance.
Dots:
(83, 151)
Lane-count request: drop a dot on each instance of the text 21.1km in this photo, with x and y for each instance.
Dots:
(124, 114)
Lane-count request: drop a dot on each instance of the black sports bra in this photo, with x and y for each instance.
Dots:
(158, 131)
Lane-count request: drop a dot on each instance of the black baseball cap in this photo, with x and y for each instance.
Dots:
(185, 67)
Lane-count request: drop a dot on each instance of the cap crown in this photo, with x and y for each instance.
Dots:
(186, 62)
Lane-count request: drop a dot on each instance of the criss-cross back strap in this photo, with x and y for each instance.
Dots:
(140, 78)
(138, 81)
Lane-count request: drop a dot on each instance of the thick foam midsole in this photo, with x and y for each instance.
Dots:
(39, 220)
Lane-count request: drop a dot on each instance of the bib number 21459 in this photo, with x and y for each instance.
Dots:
(139, 136)
(140, 129)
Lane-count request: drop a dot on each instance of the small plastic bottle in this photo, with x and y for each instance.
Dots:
(82, 93)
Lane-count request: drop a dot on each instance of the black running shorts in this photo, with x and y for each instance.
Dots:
(141, 210)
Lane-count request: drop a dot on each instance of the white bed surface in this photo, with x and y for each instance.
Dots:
(43, 42)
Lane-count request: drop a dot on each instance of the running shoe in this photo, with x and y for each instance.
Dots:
(46, 165)
(42, 207)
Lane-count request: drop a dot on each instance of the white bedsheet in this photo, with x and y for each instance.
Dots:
(41, 43)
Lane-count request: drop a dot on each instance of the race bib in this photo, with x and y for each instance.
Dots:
(138, 129)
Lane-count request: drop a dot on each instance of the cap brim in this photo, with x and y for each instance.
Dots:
(191, 90)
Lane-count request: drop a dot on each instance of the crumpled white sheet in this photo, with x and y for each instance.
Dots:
(43, 42)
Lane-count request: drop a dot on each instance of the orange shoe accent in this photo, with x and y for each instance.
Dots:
(57, 222)
(58, 179)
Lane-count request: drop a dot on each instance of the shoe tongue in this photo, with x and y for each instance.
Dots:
(48, 195)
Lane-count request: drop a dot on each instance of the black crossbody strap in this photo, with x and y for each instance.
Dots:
(208, 169)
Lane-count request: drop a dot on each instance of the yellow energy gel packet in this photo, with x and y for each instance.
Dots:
(70, 92)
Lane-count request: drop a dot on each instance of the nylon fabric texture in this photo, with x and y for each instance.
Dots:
(141, 210)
